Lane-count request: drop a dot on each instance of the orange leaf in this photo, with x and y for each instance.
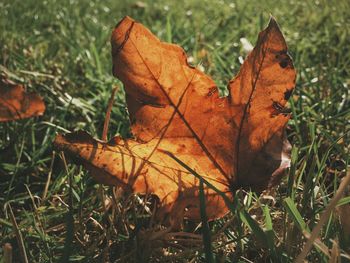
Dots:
(16, 104)
(235, 141)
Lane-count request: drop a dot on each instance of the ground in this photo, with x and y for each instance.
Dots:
(61, 50)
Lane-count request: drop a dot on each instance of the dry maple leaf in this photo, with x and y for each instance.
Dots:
(16, 104)
(234, 141)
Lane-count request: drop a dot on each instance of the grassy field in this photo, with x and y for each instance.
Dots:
(61, 50)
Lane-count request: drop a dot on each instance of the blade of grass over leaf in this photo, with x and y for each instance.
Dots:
(244, 215)
(228, 202)
(205, 226)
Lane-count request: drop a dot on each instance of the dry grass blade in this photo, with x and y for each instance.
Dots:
(108, 114)
(19, 237)
(324, 217)
(318, 244)
(49, 176)
(335, 253)
(104, 198)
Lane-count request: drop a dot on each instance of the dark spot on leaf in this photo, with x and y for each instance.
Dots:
(284, 59)
(277, 106)
(279, 109)
(284, 63)
(288, 93)
(212, 90)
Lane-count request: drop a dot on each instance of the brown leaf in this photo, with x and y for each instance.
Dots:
(235, 141)
(16, 104)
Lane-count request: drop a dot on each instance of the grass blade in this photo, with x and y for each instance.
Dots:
(205, 226)
(293, 211)
(254, 227)
(19, 237)
(269, 232)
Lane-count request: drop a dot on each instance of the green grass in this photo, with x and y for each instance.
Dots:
(61, 50)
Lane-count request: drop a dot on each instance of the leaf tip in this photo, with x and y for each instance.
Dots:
(120, 36)
(125, 19)
(272, 22)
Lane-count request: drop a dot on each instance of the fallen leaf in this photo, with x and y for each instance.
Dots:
(234, 141)
(16, 104)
